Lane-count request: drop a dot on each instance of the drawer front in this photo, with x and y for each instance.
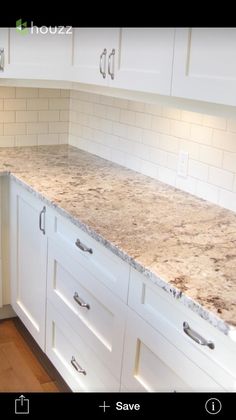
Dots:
(109, 269)
(89, 307)
(168, 315)
(74, 359)
(152, 363)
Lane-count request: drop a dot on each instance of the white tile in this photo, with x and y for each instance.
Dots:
(56, 103)
(7, 141)
(106, 125)
(100, 137)
(49, 115)
(14, 128)
(214, 122)
(88, 133)
(180, 129)
(221, 178)
(134, 133)
(140, 150)
(201, 134)
(113, 113)
(49, 93)
(198, 170)
(65, 93)
(167, 175)
(227, 199)
(100, 110)
(120, 103)
(157, 156)
(169, 143)
(63, 138)
(224, 140)
(172, 161)
(207, 191)
(1, 104)
(150, 138)
(104, 152)
(210, 155)
(26, 92)
(161, 125)
(64, 116)
(186, 184)
(143, 120)
(48, 139)
(7, 92)
(106, 100)
(118, 157)
(58, 127)
(191, 147)
(26, 116)
(133, 162)
(173, 113)
(191, 117)
(149, 169)
(7, 116)
(229, 161)
(37, 128)
(26, 140)
(120, 129)
(37, 104)
(14, 104)
(127, 117)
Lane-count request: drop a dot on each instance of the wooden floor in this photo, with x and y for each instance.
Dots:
(23, 365)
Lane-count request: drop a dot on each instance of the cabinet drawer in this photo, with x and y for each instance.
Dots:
(89, 307)
(151, 363)
(167, 315)
(70, 354)
(102, 263)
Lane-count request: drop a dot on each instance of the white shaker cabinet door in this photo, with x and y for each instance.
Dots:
(144, 60)
(91, 48)
(28, 258)
(36, 55)
(205, 64)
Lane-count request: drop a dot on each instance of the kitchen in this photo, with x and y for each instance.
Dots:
(118, 200)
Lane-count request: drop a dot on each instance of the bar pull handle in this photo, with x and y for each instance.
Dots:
(77, 367)
(83, 247)
(42, 225)
(80, 301)
(197, 337)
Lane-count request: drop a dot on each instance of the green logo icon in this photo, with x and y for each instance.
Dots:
(21, 27)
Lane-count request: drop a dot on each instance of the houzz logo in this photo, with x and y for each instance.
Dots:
(21, 27)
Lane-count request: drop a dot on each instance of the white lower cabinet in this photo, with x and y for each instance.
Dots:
(74, 359)
(152, 363)
(28, 260)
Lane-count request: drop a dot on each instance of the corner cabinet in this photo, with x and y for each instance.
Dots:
(28, 259)
(127, 58)
(205, 65)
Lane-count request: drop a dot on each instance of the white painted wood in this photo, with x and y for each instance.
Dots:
(88, 45)
(167, 315)
(4, 45)
(28, 256)
(205, 64)
(152, 363)
(36, 55)
(1, 278)
(102, 326)
(103, 264)
(63, 344)
(143, 60)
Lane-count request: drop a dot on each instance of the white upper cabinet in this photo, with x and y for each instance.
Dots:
(143, 60)
(35, 55)
(127, 58)
(205, 64)
(92, 47)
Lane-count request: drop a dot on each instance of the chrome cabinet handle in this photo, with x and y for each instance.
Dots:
(80, 301)
(103, 71)
(1, 59)
(197, 337)
(83, 247)
(43, 211)
(112, 54)
(77, 367)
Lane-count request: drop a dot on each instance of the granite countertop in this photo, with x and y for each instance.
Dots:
(184, 244)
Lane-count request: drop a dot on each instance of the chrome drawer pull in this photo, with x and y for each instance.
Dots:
(80, 301)
(103, 71)
(2, 59)
(197, 337)
(83, 247)
(76, 365)
(111, 73)
(40, 220)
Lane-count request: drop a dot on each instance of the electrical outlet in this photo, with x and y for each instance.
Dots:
(183, 164)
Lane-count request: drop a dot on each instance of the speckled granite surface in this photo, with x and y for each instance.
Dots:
(184, 244)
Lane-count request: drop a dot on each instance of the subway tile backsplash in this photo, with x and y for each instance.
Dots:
(143, 137)
(32, 116)
(147, 138)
